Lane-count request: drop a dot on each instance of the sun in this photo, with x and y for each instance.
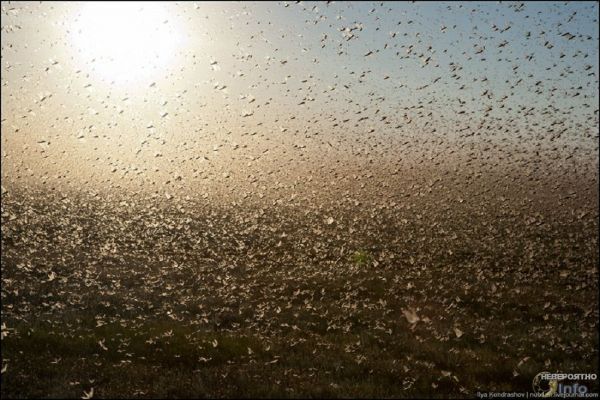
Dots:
(125, 41)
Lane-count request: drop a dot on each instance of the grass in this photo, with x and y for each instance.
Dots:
(229, 371)
(361, 258)
(142, 361)
(187, 312)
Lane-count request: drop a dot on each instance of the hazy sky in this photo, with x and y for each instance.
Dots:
(277, 78)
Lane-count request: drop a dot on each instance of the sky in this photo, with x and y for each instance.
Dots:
(220, 87)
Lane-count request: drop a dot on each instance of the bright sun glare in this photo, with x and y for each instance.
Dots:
(125, 41)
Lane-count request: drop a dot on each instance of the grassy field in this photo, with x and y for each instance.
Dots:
(148, 298)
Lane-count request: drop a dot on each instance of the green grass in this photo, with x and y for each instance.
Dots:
(361, 258)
